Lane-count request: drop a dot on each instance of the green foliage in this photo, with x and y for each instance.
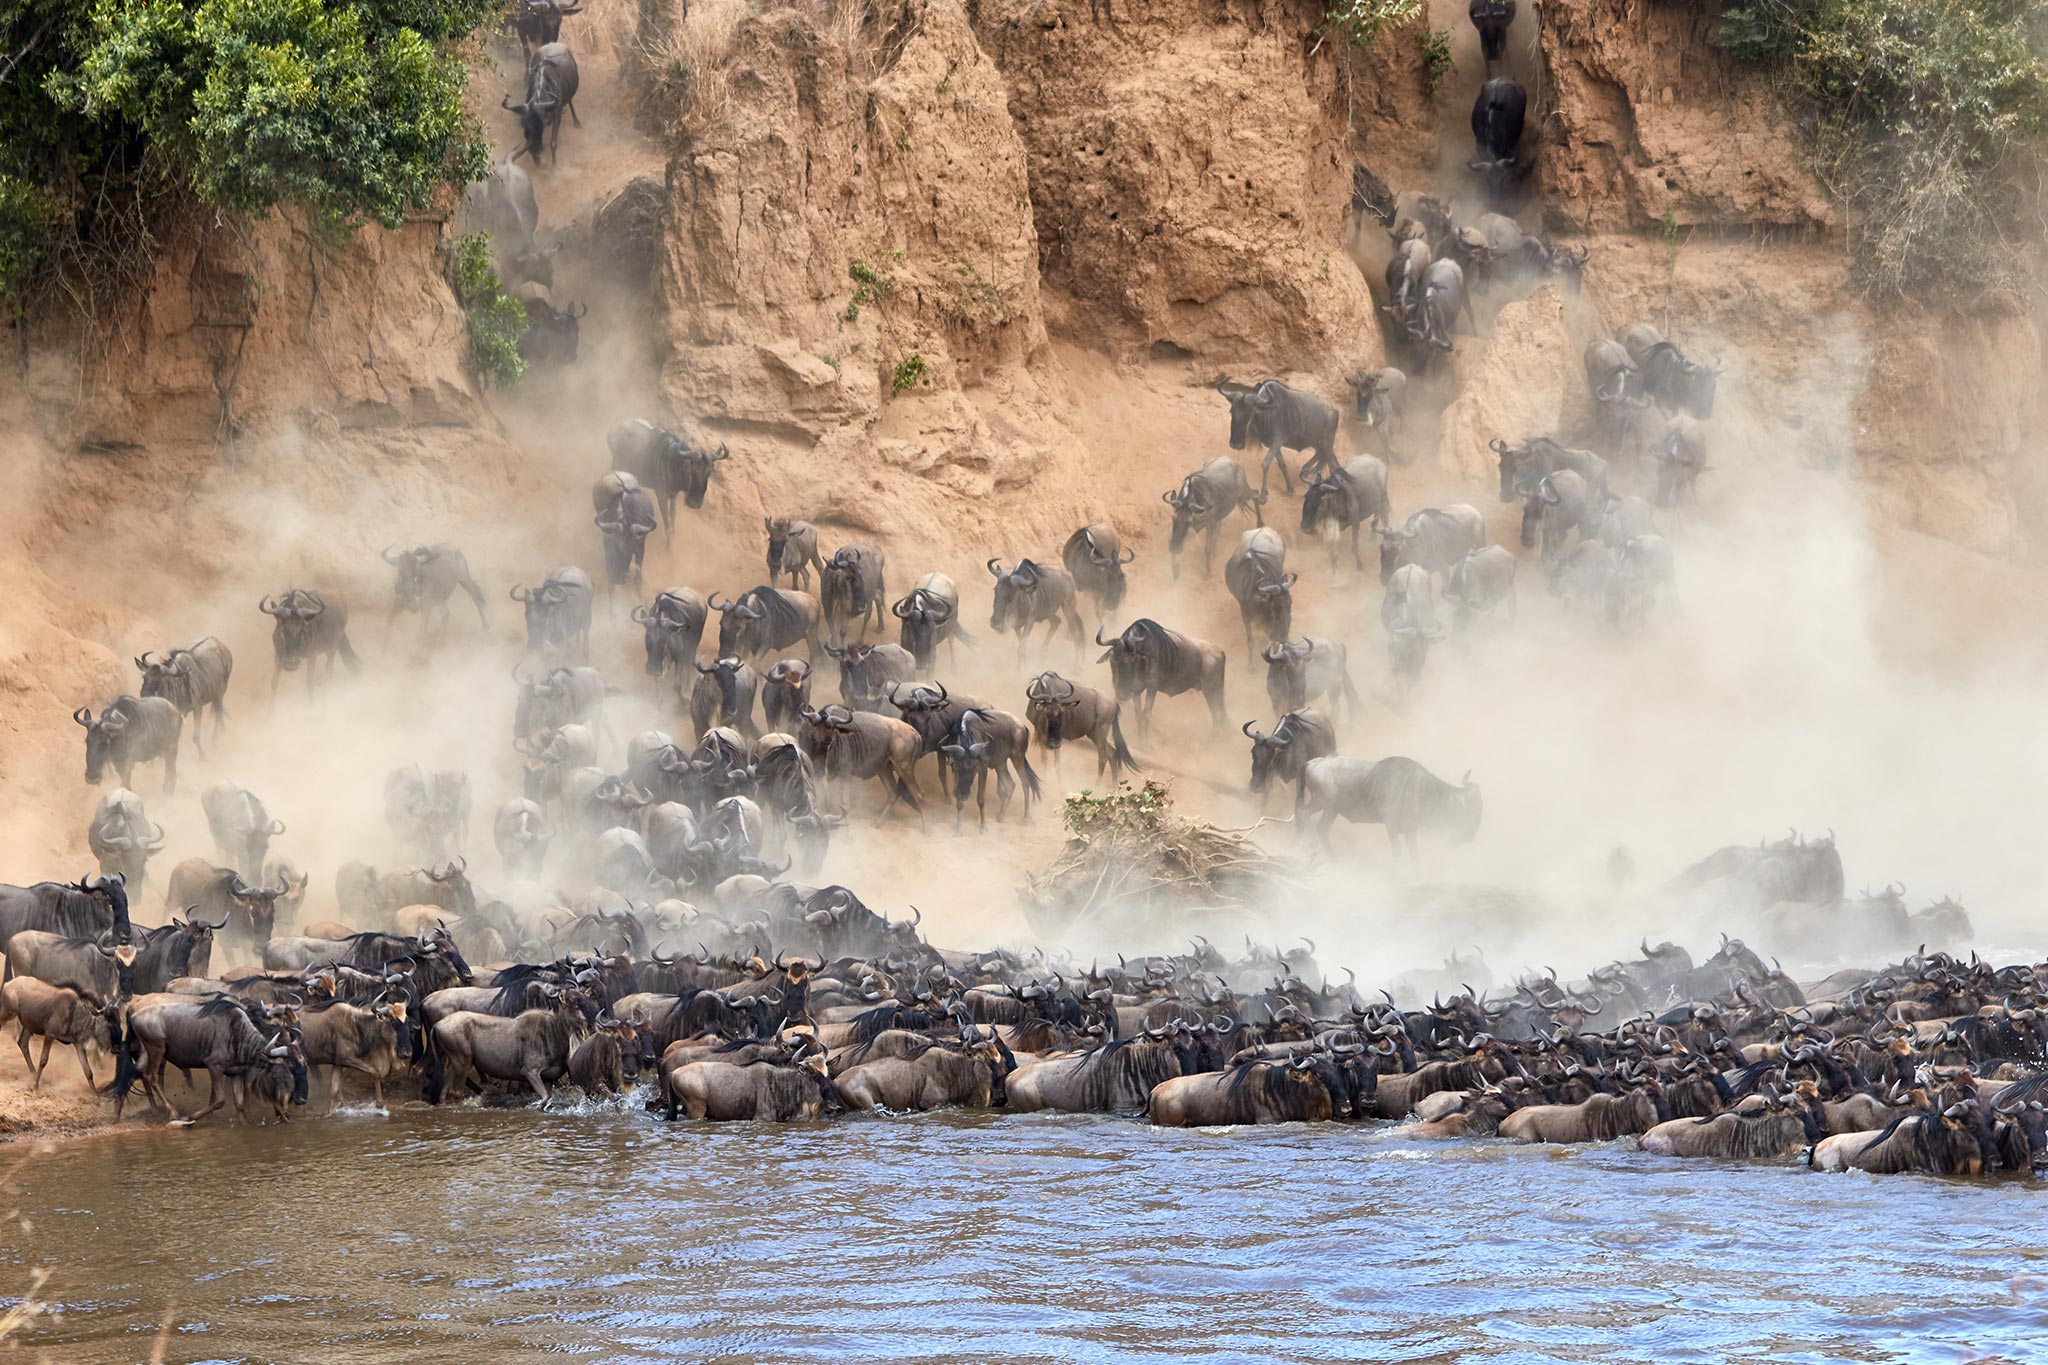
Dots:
(1362, 21)
(909, 373)
(1125, 809)
(1436, 58)
(495, 318)
(1922, 104)
(115, 112)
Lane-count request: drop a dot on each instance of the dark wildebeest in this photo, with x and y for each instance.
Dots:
(1934, 1143)
(1407, 276)
(550, 88)
(984, 741)
(626, 524)
(1297, 674)
(1284, 755)
(1381, 397)
(867, 672)
(310, 626)
(852, 587)
(1033, 594)
(1776, 1130)
(1060, 710)
(1149, 661)
(427, 813)
(1617, 388)
(552, 334)
(94, 906)
(1342, 501)
(1557, 505)
(122, 838)
(1277, 417)
(792, 550)
(1675, 383)
(1641, 577)
(216, 1035)
(1114, 1077)
(673, 627)
(248, 913)
(557, 612)
(1491, 18)
(1481, 581)
(724, 695)
(1497, 117)
(665, 463)
(68, 1014)
(763, 620)
(539, 22)
(1523, 466)
(1408, 612)
(1681, 454)
(521, 832)
(1434, 537)
(606, 1062)
(1095, 556)
(785, 692)
(192, 680)
(1312, 1088)
(242, 829)
(1204, 500)
(849, 745)
(1256, 575)
(428, 576)
(1398, 793)
(129, 731)
(930, 614)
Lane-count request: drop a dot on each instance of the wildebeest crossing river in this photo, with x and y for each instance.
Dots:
(468, 1235)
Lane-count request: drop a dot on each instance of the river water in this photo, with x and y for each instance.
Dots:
(472, 1235)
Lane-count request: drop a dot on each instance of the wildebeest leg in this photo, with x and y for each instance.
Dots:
(38, 1067)
(540, 1087)
(171, 768)
(85, 1065)
(572, 115)
(216, 1095)
(1323, 828)
(21, 1041)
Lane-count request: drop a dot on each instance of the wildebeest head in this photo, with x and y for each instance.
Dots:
(1511, 461)
(1265, 750)
(259, 903)
(1287, 673)
(101, 735)
(794, 674)
(1394, 544)
(297, 613)
(1364, 385)
(1012, 587)
(453, 881)
(695, 467)
(734, 617)
(1132, 657)
(1679, 465)
(624, 535)
(166, 677)
(540, 21)
(842, 574)
(1572, 265)
(547, 614)
(1051, 697)
(533, 125)
(411, 563)
(1537, 500)
(1408, 646)
(923, 615)
(726, 672)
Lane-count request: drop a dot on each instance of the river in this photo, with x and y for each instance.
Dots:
(472, 1235)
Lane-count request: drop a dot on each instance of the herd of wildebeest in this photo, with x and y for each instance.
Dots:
(690, 962)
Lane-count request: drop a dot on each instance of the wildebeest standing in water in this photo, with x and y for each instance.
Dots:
(1279, 418)
(930, 614)
(550, 88)
(1033, 594)
(309, 626)
(242, 829)
(853, 587)
(1398, 793)
(557, 612)
(792, 550)
(122, 838)
(1491, 18)
(129, 731)
(1095, 556)
(192, 680)
(673, 626)
(1149, 661)
(1204, 500)
(428, 576)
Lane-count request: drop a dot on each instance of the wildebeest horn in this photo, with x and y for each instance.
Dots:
(83, 717)
(995, 567)
(389, 558)
(520, 593)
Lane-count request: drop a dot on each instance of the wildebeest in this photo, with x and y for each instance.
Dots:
(370, 895)
(785, 692)
(1434, 537)
(217, 1035)
(1557, 505)
(503, 205)
(192, 680)
(1675, 383)
(1522, 467)
(852, 588)
(1417, 215)
(122, 838)
(1495, 248)
(1398, 793)
(1204, 500)
(1497, 117)
(1932, 1142)
(1277, 417)
(930, 614)
(1342, 501)
(552, 335)
(532, 1046)
(539, 22)
(550, 88)
(762, 620)
(242, 829)
(1408, 612)
(1059, 711)
(1491, 18)
(1308, 1089)
(558, 698)
(792, 550)
(156, 958)
(765, 1091)
(1381, 396)
(1777, 1130)
(1443, 297)
(1033, 594)
(428, 576)
(867, 672)
(665, 463)
(850, 745)
(724, 695)
(1095, 556)
(937, 1076)
(67, 1013)
(1256, 575)
(985, 740)
(87, 909)
(1481, 581)
(1681, 454)
(249, 913)
(309, 626)
(1284, 756)
(1116, 1077)
(1297, 674)
(557, 612)
(1599, 1118)
(129, 731)
(1618, 391)
(1641, 577)
(1625, 518)
(1407, 276)
(521, 832)
(427, 813)
(1581, 577)
(626, 524)
(673, 628)
(1148, 661)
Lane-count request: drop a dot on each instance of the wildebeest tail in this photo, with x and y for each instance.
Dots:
(904, 791)
(435, 1078)
(1351, 690)
(1031, 783)
(127, 1071)
(1123, 750)
(348, 654)
(476, 595)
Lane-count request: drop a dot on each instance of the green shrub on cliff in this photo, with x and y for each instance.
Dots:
(496, 319)
(1925, 108)
(115, 112)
